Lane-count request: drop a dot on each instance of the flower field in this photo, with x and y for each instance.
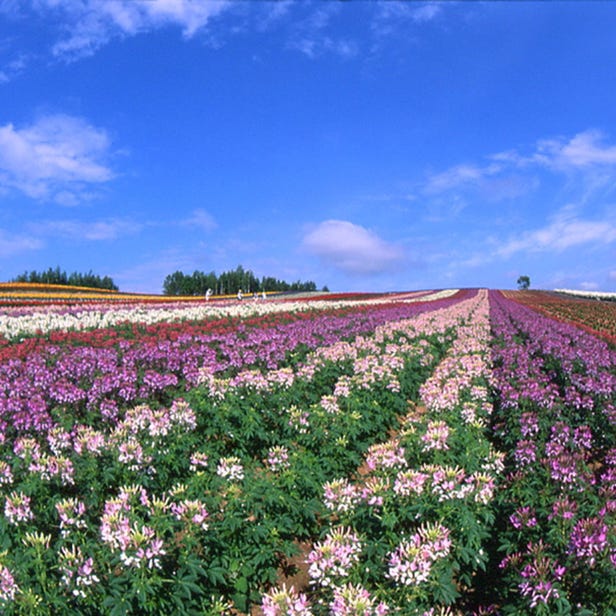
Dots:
(597, 317)
(430, 453)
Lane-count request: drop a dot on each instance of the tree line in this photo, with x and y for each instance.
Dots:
(228, 283)
(77, 279)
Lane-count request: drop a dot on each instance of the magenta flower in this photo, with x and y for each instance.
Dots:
(524, 517)
(589, 539)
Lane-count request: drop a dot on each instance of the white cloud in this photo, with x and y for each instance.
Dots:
(566, 230)
(201, 220)
(110, 229)
(56, 156)
(458, 176)
(512, 173)
(392, 16)
(14, 68)
(351, 248)
(425, 12)
(309, 35)
(12, 244)
(397, 11)
(94, 22)
(315, 47)
(581, 151)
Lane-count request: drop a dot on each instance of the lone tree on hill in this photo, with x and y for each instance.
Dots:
(523, 283)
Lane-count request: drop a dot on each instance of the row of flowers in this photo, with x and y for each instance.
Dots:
(407, 531)
(191, 506)
(42, 382)
(598, 318)
(333, 463)
(588, 294)
(556, 420)
(37, 321)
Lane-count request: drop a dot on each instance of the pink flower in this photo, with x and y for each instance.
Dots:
(333, 558)
(411, 562)
(354, 600)
(278, 458)
(386, 455)
(230, 467)
(17, 508)
(285, 601)
(410, 482)
(340, 495)
(436, 436)
(8, 587)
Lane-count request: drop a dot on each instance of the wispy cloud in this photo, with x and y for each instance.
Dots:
(512, 173)
(76, 230)
(459, 176)
(316, 47)
(565, 230)
(351, 248)
(12, 243)
(54, 158)
(584, 150)
(312, 35)
(12, 69)
(426, 12)
(90, 24)
(393, 15)
(200, 219)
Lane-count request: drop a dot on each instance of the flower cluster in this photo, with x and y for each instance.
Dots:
(354, 600)
(17, 508)
(332, 558)
(555, 386)
(231, 468)
(285, 601)
(77, 572)
(411, 562)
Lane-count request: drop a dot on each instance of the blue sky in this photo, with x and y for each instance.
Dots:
(363, 145)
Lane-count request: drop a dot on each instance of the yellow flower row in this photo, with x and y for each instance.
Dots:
(41, 286)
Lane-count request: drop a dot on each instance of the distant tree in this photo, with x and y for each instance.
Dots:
(229, 282)
(76, 279)
(174, 284)
(523, 283)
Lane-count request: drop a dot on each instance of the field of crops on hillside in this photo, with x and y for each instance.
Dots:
(432, 453)
(596, 316)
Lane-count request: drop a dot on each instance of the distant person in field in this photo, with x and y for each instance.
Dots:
(240, 295)
(208, 294)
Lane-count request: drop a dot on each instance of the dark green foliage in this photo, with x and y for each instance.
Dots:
(228, 283)
(523, 283)
(76, 279)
